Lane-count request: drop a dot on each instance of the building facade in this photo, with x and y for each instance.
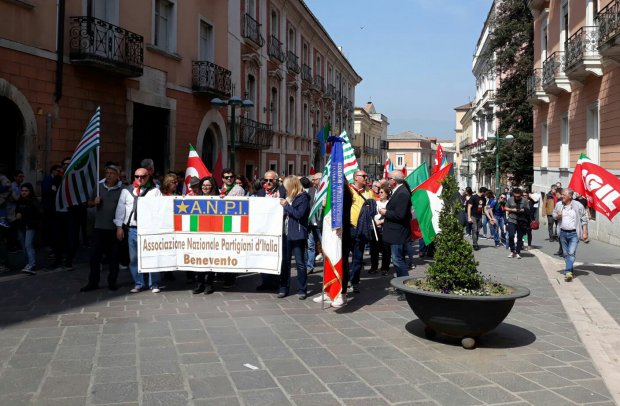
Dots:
(462, 136)
(154, 66)
(369, 139)
(410, 150)
(575, 93)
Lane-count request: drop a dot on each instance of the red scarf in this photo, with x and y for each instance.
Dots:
(226, 190)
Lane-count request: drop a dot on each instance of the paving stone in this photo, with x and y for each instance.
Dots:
(25, 380)
(15, 399)
(80, 339)
(125, 360)
(179, 398)
(548, 379)
(466, 379)
(225, 401)
(190, 348)
(359, 360)
(71, 367)
(447, 393)
(159, 367)
(30, 360)
(545, 397)
(285, 367)
(337, 374)
(492, 394)
(65, 386)
(301, 384)
(44, 332)
(352, 390)
(366, 402)
(270, 353)
(76, 401)
(115, 375)
(198, 371)
(379, 376)
(514, 382)
(38, 345)
(114, 393)
(314, 399)
(269, 397)
(75, 352)
(400, 393)
(211, 386)
(246, 380)
(571, 373)
(162, 383)
(579, 394)
(316, 357)
(190, 336)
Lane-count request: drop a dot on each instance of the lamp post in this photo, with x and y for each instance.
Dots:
(233, 102)
(497, 141)
(468, 173)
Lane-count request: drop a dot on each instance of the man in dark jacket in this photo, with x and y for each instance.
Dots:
(314, 225)
(396, 228)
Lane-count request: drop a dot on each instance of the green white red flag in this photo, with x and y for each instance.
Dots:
(427, 203)
(82, 174)
(600, 187)
(195, 167)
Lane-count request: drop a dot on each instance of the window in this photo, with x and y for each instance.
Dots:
(305, 168)
(593, 134)
(291, 40)
(306, 55)
(165, 25)
(290, 168)
(318, 68)
(400, 160)
(250, 8)
(251, 94)
(564, 25)
(207, 44)
(275, 26)
(544, 146)
(544, 38)
(591, 10)
(291, 115)
(274, 109)
(564, 137)
(306, 119)
(106, 10)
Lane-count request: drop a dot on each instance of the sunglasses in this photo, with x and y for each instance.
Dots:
(228, 177)
(140, 176)
(363, 176)
(269, 180)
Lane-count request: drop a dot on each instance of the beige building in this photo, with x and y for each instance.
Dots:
(369, 139)
(410, 150)
(154, 67)
(463, 135)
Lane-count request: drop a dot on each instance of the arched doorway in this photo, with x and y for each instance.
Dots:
(11, 135)
(211, 146)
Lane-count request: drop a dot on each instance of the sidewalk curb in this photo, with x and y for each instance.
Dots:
(598, 331)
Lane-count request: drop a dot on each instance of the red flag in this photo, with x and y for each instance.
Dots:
(386, 168)
(312, 171)
(195, 167)
(439, 158)
(404, 170)
(600, 187)
(217, 170)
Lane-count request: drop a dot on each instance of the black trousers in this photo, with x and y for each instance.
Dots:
(104, 242)
(201, 276)
(66, 237)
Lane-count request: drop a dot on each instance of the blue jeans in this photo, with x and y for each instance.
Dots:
(398, 258)
(485, 221)
(497, 229)
(314, 235)
(296, 248)
(26, 237)
(569, 243)
(133, 262)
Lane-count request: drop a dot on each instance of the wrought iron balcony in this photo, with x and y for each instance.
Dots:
(306, 73)
(537, 5)
(319, 83)
(554, 80)
(608, 21)
(211, 79)
(251, 134)
(275, 49)
(349, 105)
(535, 92)
(99, 44)
(338, 97)
(330, 91)
(251, 30)
(582, 57)
(383, 144)
(292, 62)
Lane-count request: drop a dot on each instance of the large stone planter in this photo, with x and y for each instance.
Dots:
(467, 317)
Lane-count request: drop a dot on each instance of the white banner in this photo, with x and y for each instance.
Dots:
(210, 234)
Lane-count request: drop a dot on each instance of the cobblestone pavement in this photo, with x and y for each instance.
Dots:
(61, 347)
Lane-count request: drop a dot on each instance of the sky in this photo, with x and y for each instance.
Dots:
(415, 56)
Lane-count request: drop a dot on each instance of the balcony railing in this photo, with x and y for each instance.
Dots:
(330, 92)
(581, 46)
(275, 49)
(319, 83)
(338, 97)
(553, 77)
(608, 21)
(292, 62)
(97, 43)
(251, 30)
(251, 134)
(383, 144)
(210, 78)
(306, 73)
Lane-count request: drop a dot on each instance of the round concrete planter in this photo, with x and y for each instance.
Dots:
(467, 317)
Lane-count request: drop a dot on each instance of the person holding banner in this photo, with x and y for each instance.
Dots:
(205, 280)
(127, 216)
(572, 227)
(296, 211)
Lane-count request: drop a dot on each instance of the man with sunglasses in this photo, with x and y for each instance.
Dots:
(361, 194)
(271, 188)
(229, 187)
(127, 216)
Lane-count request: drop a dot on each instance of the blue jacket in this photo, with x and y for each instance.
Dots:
(296, 215)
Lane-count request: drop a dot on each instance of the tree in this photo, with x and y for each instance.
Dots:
(511, 47)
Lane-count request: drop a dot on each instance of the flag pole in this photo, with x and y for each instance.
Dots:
(98, 146)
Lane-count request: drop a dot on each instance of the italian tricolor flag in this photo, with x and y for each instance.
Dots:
(427, 204)
(195, 167)
(210, 223)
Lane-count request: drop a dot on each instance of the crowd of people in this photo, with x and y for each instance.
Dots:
(378, 217)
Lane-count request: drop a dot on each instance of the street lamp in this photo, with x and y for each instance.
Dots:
(468, 174)
(233, 102)
(498, 139)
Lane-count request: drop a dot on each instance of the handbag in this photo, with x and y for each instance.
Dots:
(534, 224)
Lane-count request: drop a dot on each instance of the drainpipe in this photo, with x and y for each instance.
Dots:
(60, 48)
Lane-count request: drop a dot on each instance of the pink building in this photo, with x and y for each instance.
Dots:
(575, 92)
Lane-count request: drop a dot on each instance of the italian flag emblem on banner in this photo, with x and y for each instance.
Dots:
(218, 216)
(427, 203)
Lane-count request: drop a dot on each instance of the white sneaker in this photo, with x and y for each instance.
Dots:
(517, 256)
(155, 290)
(512, 255)
(318, 257)
(29, 270)
(339, 302)
(322, 298)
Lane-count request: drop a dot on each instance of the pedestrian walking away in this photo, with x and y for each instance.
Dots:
(572, 227)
